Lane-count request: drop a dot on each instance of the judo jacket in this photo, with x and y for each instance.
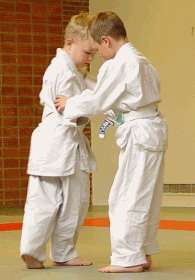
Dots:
(54, 146)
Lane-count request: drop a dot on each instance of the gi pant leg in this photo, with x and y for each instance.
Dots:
(130, 201)
(73, 210)
(54, 207)
(151, 244)
(42, 203)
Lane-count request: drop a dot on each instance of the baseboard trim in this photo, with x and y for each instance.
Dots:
(178, 200)
(179, 188)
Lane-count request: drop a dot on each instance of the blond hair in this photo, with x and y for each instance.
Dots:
(107, 24)
(78, 26)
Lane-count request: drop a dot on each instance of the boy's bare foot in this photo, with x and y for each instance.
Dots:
(121, 269)
(75, 262)
(31, 262)
(148, 263)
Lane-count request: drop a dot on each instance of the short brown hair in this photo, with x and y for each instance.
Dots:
(78, 26)
(107, 24)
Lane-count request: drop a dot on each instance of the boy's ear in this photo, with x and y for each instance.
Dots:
(68, 41)
(106, 40)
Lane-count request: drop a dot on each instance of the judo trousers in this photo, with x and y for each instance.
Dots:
(134, 205)
(55, 207)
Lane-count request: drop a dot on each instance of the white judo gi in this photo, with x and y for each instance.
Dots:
(128, 83)
(59, 162)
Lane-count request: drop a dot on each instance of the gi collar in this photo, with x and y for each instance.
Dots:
(126, 47)
(68, 60)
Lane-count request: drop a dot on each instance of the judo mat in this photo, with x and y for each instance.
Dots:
(175, 261)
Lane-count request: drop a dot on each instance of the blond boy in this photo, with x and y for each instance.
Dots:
(60, 160)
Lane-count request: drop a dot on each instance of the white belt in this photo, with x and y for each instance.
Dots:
(49, 115)
(141, 113)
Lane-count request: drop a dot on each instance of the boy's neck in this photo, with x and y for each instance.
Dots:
(118, 44)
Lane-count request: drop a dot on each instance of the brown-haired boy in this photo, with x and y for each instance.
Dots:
(129, 85)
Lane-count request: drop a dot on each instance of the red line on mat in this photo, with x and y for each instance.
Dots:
(10, 226)
(164, 224)
(104, 222)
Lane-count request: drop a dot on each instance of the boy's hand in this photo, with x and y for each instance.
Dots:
(60, 103)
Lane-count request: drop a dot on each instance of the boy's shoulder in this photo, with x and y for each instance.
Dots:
(129, 55)
(57, 68)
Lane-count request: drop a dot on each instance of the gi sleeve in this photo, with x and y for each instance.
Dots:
(109, 88)
(55, 84)
(64, 84)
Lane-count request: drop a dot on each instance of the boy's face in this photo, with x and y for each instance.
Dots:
(82, 51)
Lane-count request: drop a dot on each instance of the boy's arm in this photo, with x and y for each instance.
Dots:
(109, 88)
(60, 100)
(60, 103)
(64, 90)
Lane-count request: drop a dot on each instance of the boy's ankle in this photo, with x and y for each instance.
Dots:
(31, 262)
